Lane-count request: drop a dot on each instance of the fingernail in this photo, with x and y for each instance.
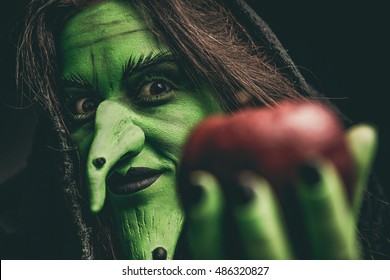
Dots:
(99, 162)
(196, 194)
(309, 174)
(243, 194)
(192, 196)
(159, 253)
(243, 191)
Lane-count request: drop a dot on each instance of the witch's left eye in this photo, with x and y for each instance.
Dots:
(155, 92)
(154, 88)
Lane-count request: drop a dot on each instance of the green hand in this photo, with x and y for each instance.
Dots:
(329, 218)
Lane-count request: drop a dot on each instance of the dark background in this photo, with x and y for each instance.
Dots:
(340, 47)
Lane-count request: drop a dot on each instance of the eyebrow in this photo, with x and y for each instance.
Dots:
(76, 81)
(145, 61)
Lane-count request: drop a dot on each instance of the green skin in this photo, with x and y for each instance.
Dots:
(115, 114)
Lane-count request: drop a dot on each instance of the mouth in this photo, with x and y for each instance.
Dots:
(135, 180)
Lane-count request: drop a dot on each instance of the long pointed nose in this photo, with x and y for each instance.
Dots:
(115, 136)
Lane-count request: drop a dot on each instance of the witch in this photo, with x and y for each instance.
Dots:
(121, 84)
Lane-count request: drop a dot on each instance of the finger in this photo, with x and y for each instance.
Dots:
(204, 216)
(327, 214)
(258, 219)
(362, 141)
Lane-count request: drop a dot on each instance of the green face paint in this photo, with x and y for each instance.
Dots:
(130, 108)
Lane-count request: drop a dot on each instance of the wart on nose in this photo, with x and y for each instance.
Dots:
(99, 162)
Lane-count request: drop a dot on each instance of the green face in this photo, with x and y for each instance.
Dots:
(130, 109)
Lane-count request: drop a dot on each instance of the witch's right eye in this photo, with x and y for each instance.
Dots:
(85, 106)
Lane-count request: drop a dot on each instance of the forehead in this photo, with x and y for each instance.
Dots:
(102, 22)
(99, 41)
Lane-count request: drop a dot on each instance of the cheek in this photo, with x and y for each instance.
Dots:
(83, 138)
(169, 135)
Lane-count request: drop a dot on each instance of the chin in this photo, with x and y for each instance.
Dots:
(149, 219)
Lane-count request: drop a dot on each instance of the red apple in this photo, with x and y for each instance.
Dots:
(272, 142)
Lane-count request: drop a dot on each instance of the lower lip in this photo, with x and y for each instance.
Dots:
(134, 187)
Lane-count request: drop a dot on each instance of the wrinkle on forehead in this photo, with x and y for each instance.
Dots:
(87, 43)
(87, 26)
(101, 22)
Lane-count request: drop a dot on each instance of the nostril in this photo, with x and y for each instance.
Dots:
(99, 162)
(127, 156)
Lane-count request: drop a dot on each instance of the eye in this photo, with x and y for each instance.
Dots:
(86, 106)
(155, 92)
(154, 88)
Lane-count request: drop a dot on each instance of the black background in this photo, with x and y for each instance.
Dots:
(340, 47)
